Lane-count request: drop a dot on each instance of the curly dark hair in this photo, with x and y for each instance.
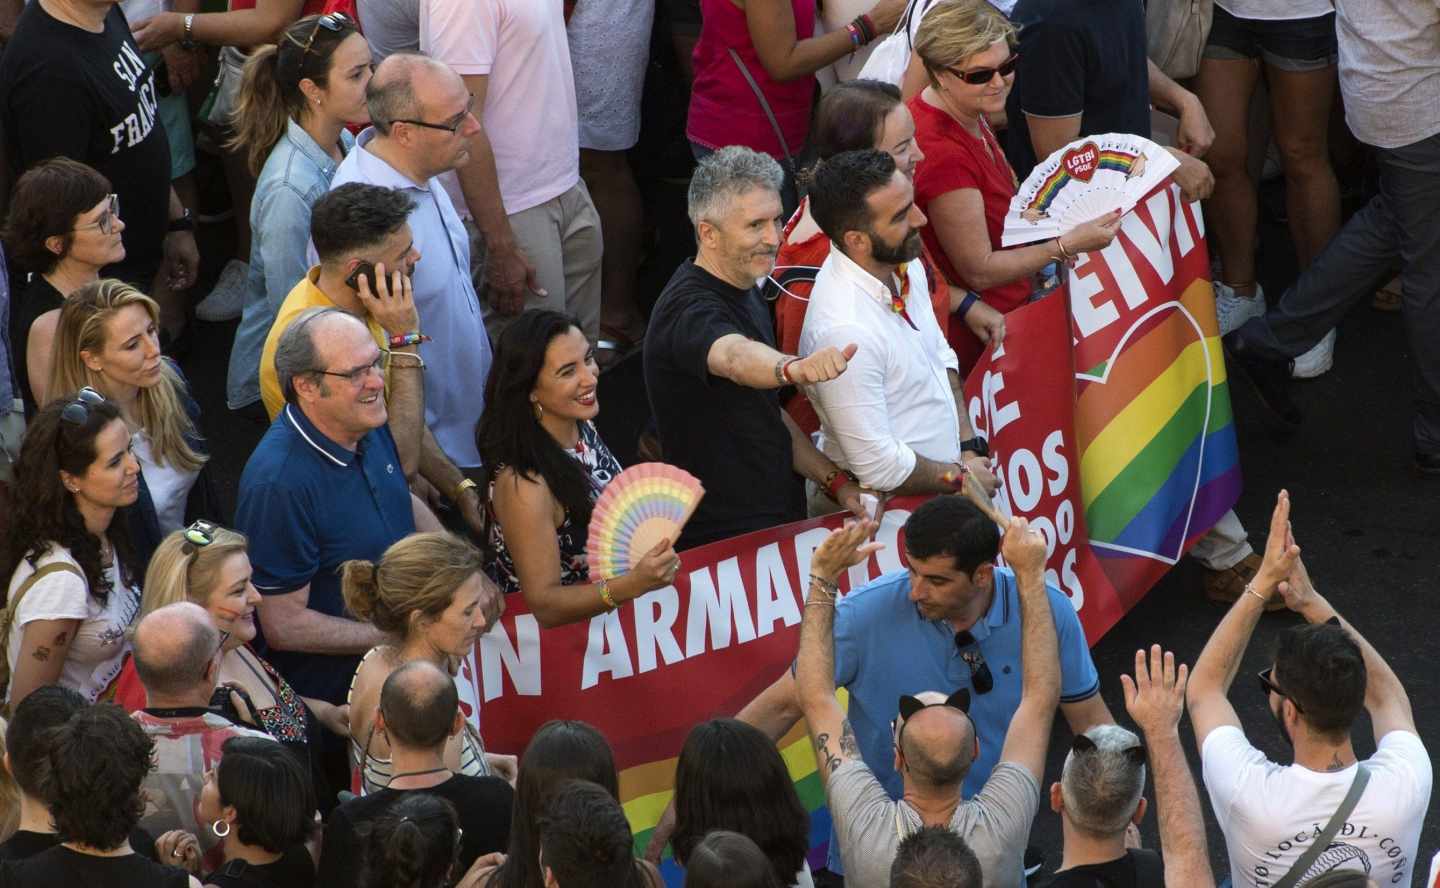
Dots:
(730, 776)
(43, 512)
(413, 844)
(98, 759)
(273, 796)
(44, 204)
(585, 840)
(355, 216)
(508, 434)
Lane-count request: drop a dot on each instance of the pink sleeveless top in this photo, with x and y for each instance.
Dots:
(723, 108)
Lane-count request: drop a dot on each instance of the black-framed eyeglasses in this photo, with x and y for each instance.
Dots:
(334, 22)
(106, 222)
(1268, 686)
(77, 412)
(452, 128)
(380, 365)
(980, 678)
(982, 76)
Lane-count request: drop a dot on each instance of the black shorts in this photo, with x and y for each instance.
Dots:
(1297, 45)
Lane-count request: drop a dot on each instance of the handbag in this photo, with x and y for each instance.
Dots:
(1175, 34)
(887, 63)
(1322, 841)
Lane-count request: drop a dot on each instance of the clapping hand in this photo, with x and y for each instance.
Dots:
(1281, 553)
(844, 548)
(1155, 697)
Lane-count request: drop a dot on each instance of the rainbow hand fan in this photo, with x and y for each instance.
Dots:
(641, 506)
(1087, 178)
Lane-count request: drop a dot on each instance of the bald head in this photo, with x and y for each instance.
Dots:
(175, 649)
(938, 744)
(419, 705)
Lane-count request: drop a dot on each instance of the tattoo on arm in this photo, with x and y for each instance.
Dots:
(41, 653)
(849, 746)
(61, 639)
(827, 759)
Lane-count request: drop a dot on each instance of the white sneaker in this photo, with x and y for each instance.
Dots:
(227, 299)
(1317, 361)
(1233, 310)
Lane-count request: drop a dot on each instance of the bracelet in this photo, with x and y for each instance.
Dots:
(857, 39)
(868, 25)
(605, 598)
(1250, 587)
(463, 485)
(414, 337)
(956, 479)
(785, 371)
(188, 40)
(831, 588)
(837, 479)
(971, 297)
(1064, 253)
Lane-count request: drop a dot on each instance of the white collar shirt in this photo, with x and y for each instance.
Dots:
(894, 401)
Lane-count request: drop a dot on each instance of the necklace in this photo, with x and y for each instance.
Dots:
(394, 777)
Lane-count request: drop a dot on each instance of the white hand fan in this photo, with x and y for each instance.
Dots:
(1087, 178)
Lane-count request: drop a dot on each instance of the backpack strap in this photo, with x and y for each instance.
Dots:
(12, 607)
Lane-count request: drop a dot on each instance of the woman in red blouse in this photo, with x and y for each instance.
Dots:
(965, 184)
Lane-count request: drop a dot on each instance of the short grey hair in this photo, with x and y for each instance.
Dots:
(173, 646)
(1102, 787)
(391, 95)
(295, 353)
(725, 175)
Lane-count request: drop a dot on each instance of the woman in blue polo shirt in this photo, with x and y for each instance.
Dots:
(546, 466)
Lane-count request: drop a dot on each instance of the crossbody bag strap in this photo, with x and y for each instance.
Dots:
(765, 106)
(12, 607)
(1322, 841)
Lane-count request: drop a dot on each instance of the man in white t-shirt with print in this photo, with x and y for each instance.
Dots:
(1323, 674)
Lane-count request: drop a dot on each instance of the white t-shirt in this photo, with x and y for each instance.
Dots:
(94, 656)
(1276, 10)
(1270, 812)
(530, 113)
(169, 487)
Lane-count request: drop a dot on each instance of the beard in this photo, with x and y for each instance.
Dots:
(1280, 722)
(896, 254)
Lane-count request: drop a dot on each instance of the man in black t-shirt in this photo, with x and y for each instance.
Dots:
(1083, 71)
(712, 370)
(72, 83)
(419, 713)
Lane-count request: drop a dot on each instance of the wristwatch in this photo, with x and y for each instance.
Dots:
(976, 445)
(188, 40)
(186, 222)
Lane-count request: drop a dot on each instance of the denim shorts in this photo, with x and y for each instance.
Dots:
(1297, 45)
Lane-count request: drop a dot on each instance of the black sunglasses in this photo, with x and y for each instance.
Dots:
(199, 535)
(980, 678)
(451, 128)
(77, 412)
(334, 22)
(982, 76)
(1268, 686)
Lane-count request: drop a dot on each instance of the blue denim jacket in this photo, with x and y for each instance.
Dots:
(295, 175)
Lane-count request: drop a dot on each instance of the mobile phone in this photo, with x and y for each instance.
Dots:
(365, 268)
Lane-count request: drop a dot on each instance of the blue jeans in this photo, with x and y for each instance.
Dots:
(1398, 224)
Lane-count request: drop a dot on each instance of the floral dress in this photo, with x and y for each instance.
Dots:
(602, 466)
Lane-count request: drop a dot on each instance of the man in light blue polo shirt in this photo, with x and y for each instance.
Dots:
(324, 486)
(952, 621)
(422, 127)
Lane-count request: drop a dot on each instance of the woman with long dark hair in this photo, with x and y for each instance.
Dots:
(731, 776)
(559, 751)
(69, 564)
(295, 100)
(546, 466)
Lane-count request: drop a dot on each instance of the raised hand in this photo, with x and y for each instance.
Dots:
(1023, 547)
(1281, 553)
(390, 300)
(844, 548)
(1155, 697)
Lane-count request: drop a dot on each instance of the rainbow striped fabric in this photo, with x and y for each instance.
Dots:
(1110, 159)
(1158, 458)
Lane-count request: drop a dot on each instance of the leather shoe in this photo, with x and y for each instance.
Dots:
(1270, 379)
(1226, 586)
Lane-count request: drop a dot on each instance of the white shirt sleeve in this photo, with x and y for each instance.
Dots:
(854, 413)
(1404, 754)
(1229, 764)
(60, 596)
(463, 34)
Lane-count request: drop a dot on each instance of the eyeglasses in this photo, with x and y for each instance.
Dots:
(77, 412)
(106, 222)
(334, 22)
(380, 365)
(982, 76)
(980, 678)
(1268, 687)
(451, 128)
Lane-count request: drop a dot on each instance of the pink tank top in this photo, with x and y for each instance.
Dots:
(723, 108)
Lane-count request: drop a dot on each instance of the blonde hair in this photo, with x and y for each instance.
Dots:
(955, 30)
(418, 574)
(82, 328)
(182, 571)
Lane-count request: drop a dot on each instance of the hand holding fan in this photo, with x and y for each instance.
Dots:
(640, 507)
(968, 486)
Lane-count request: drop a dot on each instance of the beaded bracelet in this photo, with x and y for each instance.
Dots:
(857, 38)
(414, 337)
(605, 597)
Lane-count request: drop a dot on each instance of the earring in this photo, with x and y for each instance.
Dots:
(539, 411)
(215, 828)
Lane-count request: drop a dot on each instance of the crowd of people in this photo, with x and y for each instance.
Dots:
(437, 241)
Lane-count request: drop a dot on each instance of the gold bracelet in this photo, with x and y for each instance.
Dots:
(464, 485)
(605, 597)
(1249, 587)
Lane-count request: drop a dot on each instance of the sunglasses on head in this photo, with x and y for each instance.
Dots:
(334, 22)
(982, 76)
(980, 678)
(199, 535)
(77, 412)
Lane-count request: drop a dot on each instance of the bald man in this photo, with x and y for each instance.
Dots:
(935, 740)
(177, 656)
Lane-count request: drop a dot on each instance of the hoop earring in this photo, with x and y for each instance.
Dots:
(215, 828)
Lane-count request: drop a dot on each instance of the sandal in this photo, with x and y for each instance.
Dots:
(1387, 298)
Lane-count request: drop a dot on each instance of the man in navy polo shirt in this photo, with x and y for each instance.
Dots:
(952, 621)
(324, 486)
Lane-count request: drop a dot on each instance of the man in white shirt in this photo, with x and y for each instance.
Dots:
(523, 188)
(1322, 676)
(896, 418)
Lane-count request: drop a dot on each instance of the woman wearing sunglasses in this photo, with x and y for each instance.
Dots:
(64, 226)
(108, 338)
(295, 101)
(209, 565)
(70, 569)
(965, 184)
